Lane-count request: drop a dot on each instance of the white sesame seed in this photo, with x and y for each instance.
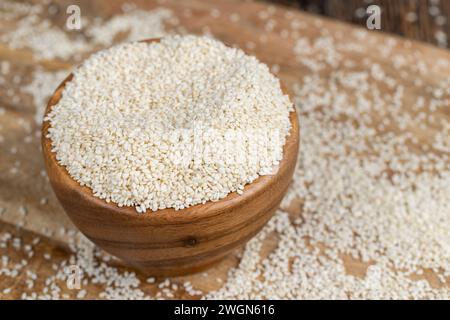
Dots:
(197, 141)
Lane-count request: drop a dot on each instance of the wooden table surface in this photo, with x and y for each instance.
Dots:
(21, 193)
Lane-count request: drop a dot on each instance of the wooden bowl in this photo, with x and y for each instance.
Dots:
(170, 242)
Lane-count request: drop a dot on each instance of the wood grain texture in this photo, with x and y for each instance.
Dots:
(169, 241)
(28, 186)
(395, 15)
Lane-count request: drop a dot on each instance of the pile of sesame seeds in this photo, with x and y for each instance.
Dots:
(170, 124)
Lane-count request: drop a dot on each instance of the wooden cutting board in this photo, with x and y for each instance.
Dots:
(30, 208)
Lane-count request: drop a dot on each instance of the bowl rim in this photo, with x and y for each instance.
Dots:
(186, 215)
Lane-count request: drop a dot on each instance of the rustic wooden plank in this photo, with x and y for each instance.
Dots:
(411, 19)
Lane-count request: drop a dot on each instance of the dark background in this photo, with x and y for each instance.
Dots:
(425, 20)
